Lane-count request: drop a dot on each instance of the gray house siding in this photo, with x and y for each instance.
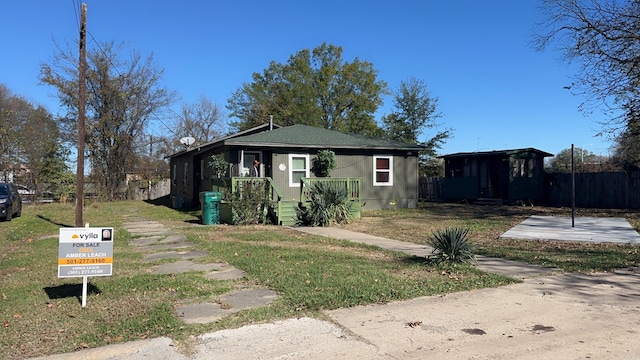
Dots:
(402, 194)
(355, 155)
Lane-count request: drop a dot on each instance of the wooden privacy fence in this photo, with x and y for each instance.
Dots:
(604, 190)
(430, 188)
(607, 190)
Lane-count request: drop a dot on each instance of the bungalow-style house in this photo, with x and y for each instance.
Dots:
(495, 176)
(386, 171)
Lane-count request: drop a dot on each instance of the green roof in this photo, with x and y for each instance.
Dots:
(313, 137)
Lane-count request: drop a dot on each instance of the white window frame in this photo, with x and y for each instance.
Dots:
(376, 170)
(291, 169)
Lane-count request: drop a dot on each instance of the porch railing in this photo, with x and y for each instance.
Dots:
(351, 184)
(231, 185)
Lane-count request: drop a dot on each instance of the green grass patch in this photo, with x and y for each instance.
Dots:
(41, 314)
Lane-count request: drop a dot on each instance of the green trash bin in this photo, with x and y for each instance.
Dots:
(210, 205)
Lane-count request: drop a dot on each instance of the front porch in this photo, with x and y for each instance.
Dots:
(266, 195)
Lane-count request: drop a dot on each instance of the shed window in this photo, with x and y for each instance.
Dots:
(175, 174)
(523, 167)
(383, 171)
(298, 168)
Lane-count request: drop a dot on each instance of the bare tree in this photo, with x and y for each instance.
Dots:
(603, 36)
(204, 120)
(122, 97)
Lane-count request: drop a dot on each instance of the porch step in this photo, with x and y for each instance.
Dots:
(487, 201)
(286, 213)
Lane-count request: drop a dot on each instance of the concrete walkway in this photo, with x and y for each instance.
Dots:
(158, 243)
(488, 264)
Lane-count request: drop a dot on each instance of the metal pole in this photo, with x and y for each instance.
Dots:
(573, 188)
(84, 287)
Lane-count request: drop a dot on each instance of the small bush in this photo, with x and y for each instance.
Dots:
(329, 205)
(451, 245)
(250, 203)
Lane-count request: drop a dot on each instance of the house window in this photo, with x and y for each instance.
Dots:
(175, 170)
(382, 171)
(201, 169)
(298, 168)
(185, 178)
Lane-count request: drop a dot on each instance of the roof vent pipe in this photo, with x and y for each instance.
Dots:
(270, 122)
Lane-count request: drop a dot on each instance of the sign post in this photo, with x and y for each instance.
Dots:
(85, 252)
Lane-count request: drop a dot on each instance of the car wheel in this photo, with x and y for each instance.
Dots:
(9, 215)
(19, 213)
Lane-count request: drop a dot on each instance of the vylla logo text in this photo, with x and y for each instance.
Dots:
(86, 236)
(89, 236)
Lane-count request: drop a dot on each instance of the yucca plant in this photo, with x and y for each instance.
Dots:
(452, 245)
(329, 205)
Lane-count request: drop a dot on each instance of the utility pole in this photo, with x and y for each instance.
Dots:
(82, 88)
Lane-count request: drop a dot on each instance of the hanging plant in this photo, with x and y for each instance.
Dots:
(219, 165)
(324, 163)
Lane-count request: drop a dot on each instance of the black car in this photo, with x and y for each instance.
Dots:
(10, 202)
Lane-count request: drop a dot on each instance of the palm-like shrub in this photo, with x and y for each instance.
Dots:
(329, 205)
(452, 245)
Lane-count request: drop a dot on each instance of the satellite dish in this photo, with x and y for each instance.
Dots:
(188, 141)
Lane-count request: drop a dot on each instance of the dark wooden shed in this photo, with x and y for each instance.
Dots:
(500, 176)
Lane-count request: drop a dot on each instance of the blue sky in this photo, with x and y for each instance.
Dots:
(494, 90)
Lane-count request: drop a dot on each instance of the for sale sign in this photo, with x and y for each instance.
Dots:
(85, 252)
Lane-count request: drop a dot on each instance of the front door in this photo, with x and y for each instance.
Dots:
(247, 161)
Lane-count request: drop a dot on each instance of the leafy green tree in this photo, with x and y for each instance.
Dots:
(315, 87)
(12, 110)
(29, 141)
(122, 96)
(561, 163)
(43, 151)
(414, 112)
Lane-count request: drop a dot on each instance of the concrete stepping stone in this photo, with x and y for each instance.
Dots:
(156, 227)
(162, 247)
(153, 233)
(153, 240)
(140, 222)
(186, 266)
(143, 241)
(228, 274)
(175, 255)
(230, 303)
(172, 239)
